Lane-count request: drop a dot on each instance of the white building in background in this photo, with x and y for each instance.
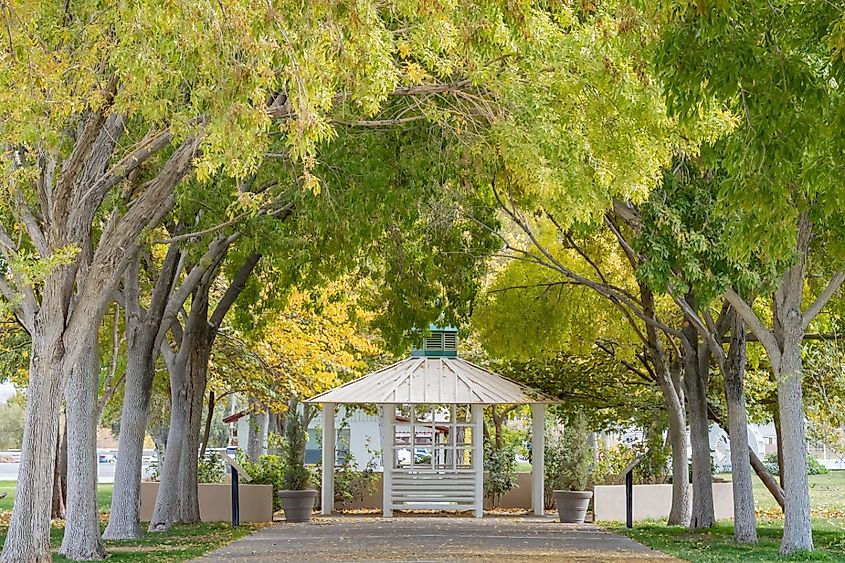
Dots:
(358, 433)
(721, 447)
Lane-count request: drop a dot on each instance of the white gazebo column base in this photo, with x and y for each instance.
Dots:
(478, 456)
(327, 499)
(538, 458)
(388, 440)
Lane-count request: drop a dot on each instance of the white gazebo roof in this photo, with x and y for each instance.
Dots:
(432, 380)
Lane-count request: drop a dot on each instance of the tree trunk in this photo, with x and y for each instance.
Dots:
(788, 332)
(125, 518)
(60, 475)
(28, 536)
(177, 493)
(679, 514)
(745, 520)
(141, 351)
(167, 499)
(81, 540)
(209, 418)
(703, 515)
(797, 530)
(778, 445)
(257, 439)
(188, 508)
(696, 368)
(767, 478)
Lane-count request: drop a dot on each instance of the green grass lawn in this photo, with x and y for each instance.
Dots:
(716, 545)
(827, 500)
(181, 543)
(827, 495)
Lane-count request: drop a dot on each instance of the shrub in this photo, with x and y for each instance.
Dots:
(210, 468)
(553, 478)
(577, 454)
(297, 476)
(568, 456)
(269, 470)
(652, 469)
(814, 467)
(500, 465)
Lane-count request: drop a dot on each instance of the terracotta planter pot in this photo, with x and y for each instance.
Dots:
(298, 505)
(572, 505)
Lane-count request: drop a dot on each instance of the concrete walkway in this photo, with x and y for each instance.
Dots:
(420, 538)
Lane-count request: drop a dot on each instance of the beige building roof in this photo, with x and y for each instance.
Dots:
(432, 380)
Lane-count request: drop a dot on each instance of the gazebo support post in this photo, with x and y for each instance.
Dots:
(538, 462)
(478, 456)
(329, 439)
(388, 440)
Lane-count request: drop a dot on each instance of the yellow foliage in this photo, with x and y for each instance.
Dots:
(319, 340)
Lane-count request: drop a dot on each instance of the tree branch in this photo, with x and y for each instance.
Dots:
(287, 111)
(234, 289)
(823, 298)
(765, 336)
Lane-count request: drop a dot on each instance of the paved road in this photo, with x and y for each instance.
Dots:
(434, 539)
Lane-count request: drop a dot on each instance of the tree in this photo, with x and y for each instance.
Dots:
(634, 329)
(95, 148)
(680, 237)
(771, 65)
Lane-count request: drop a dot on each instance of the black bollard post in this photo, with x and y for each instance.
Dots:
(629, 498)
(236, 504)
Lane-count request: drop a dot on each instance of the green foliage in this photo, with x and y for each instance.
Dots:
(813, 465)
(296, 477)
(577, 454)
(350, 484)
(11, 424)
(14, 352)
(269, 470)
(210, 468)
(500, 465)
(593, 383)
(568, 456)
(682, 241)
(652, 468)
(771, 65)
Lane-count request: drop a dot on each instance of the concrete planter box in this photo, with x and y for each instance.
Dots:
(256, 502)
(653, 502)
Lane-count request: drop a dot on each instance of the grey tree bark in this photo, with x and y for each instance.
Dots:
(670, 380)
(177, 493)
(797, 530)
(28, 536)
(745, 519)
(188, 508)
(166, 501)
(60, 474)
(72, 300)
(81, 539)
(141, 331)
(680, 510)
(696, 368)
(258, 428)
(783, 348)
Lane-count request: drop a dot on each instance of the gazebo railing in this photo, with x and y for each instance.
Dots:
(447, 489)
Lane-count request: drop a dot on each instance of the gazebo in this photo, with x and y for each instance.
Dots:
(432, 451)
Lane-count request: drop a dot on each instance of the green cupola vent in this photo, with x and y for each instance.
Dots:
(441, 342)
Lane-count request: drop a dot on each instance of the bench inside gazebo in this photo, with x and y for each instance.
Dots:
(432, 403)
